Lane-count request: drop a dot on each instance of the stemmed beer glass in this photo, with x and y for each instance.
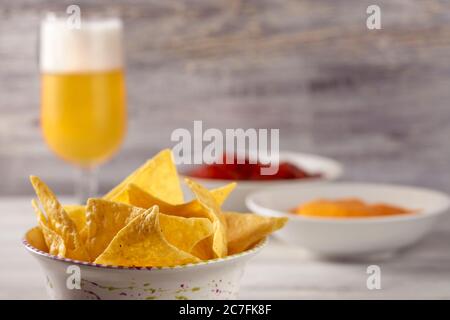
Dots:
(83, 102)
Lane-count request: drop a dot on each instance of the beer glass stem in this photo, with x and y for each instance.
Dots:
(86, 185)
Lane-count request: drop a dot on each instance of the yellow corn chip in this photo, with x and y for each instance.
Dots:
(35, 237)
(245, 229)
(141, 243)
(59, 222)
(104, 219)
(207, 201)
(205, 206)
(39, 215)
(157, 176)
(140, 198)
(54, 242)
(78, 215)
(221, 194)
(185, 233)
(203, 250)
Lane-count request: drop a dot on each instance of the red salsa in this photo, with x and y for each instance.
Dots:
(248, 171)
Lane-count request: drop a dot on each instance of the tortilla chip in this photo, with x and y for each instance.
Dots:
(207, 201)
(140, 198)
(142, 243)
(203, 250)
(205, 206)
(59, 222)
(221, 194)
(35, 237)
(185, 233)
(104, 219)
(157, 176)
(41, 218)
(78, 215)
(54, 242)
(246, 229)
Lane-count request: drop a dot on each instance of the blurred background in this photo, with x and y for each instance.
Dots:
(377, 100)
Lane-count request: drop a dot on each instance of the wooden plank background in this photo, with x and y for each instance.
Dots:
(376, 100)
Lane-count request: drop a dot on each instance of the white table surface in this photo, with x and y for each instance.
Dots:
(279, 272)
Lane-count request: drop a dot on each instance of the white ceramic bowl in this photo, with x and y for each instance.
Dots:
(348, 237)
(213, 279)
(329, 168)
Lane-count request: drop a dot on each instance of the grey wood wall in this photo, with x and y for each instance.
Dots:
(376, 100)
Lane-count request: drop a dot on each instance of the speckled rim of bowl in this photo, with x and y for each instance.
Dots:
(44, 254)
(326, 176)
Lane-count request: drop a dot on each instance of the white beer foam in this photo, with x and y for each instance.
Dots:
(95, 46)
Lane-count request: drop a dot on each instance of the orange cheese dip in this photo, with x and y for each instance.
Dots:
(347, 208)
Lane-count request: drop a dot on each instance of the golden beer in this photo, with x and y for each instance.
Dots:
(83, 108)
(83, 114)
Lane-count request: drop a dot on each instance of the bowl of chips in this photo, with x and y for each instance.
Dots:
(143, 241)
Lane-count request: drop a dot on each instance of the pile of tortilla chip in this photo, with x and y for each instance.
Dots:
(145, 222)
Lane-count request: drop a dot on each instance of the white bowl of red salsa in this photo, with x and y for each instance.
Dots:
(293, 168)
